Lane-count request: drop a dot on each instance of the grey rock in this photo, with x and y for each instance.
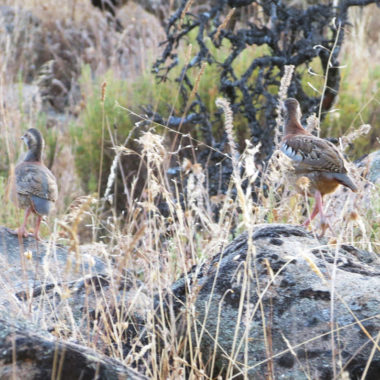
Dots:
(33, 281)
(374, 167)
(57, 286)
(369, 167)
(49, 264)
(287, 308)
(28, 353)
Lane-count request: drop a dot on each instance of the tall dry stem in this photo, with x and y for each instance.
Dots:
(282, 95)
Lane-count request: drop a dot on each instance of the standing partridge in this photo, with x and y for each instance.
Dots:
(314, 158)
(34, 185)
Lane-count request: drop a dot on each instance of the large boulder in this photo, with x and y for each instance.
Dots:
(279, 303)
(51, 300)
(372, 166)
(28, 265)
(28, 353)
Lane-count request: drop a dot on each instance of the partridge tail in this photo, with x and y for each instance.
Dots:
(345, 180)
(40, 206)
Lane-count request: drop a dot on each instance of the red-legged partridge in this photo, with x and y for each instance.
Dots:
(314, 158)
(35, 187)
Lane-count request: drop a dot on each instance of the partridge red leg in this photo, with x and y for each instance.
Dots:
(22, 230)
(312, 216)
(37, 229)
(324, 222)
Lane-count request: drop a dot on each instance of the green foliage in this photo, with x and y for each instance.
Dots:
(209, 84)
(132, 94)
(164, 97)
(10, 215)
(357, 104)
(93, 122)
(98, 118)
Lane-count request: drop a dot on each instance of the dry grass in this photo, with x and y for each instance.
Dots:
(156, 249)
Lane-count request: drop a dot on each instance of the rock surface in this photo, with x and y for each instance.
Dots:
(290, 307)
(373, 160)
(41, 288)
(27, 354)
(32, 264)
(282, 304)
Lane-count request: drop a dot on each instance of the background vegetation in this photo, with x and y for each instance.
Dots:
(95, 148)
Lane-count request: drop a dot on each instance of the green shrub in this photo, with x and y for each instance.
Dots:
(140, 91)
(87, 131)
(164, 97)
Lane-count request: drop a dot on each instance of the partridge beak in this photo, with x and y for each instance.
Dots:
(23, 138)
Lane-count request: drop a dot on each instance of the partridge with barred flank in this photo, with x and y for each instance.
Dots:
(34, 185)
(314, 158)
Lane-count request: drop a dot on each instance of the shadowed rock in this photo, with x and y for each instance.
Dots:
(34, 279)
(28, 354)
(292, 307)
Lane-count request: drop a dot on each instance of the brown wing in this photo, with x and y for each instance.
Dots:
(36, 179)
(313, 153)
